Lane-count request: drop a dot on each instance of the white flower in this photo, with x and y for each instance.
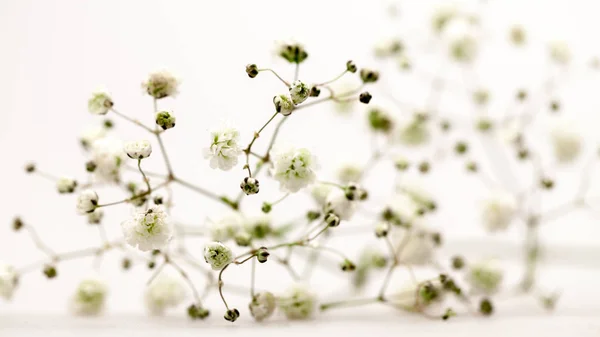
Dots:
(262, 305)
(339, 204)
(349, 173)
(100, 103)
(90, 135)
(414, 294)
(485, 276)
(164, 292)
(148, 230)
(415, 246)
(299, 92)
(293, 168)
(95, 217)
(297, 302)
(226, 227)
(87, 201)
(161, 84)
(283, 104)
(413, 132)
(139, 149)
(108, 155)
(224, 149)
(560, 52)
(566, 141)
(498, 211)
(258, 226)
(8, 281)
(405, 209)
(319, 192)
(217, 255)
(89, 298)
(66, 185)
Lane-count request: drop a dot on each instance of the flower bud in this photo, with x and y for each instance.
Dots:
(299, 92)
(138, 150)
(100, 103)
(486, 307)
(262, 306)
(50, 272)
(332, 220)
(30, 167)
(547, 183)
(354, 192)
(481, 97)
(251, 70)
(197, 312)
(484, 124)
(232, 315)
(250, 185)
(95, 217)
(313, 215)
(158, 200)
(90, 166)
(160, 85)
(517, 35)
(461, 147)
(351, 66)
(348, 265)
(165, 120)
(368, 75)
(262, 254)
(66, 185)
(365, 97)
(424, 167)
(382, 230)
(283, 104)
(266, 207)
(458, 262)
(17, 224)
(314, 92)
(380, 120)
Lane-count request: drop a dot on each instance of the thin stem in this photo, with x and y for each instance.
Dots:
(205, 192)
(350, 303)
(277, 75)
(149, 189)
(186, 278)
(164, 154)
(280, 199)
(134, 121)
(332, 80)
(297, 71)
(156, 272)
(248, 149)
(38, 242)
(220, 284)
(141, 195)
(252, 278)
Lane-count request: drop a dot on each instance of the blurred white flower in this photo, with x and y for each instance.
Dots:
(66, 185)
(339, 204)
(415, 246)
(90, 135)
(161, 84)
(283, 104)
(107, 155)
(349, 173)
(297, 302)
(566, 141)
(99, 103)
(148, 230)
(224, 150)
(560, 52)
(413, 132)
(293, 168)
(8, 281)
(262, 305)
(89, 298)
(498, 211)
(319, 192)
(226, 227)
(164, 292)
(299, 92)
(138, 149)
(485, 276)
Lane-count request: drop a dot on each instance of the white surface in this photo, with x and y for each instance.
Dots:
(54, 53)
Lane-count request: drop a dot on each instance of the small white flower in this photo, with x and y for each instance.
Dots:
(498, 211)
(224, 149)
(100, 103)
(283, 104)
(299, 92)
(413, 132)
(339, 204)
(161, 84)
(89, 298)
(107, 155)
(66, 185)
(566, 141)
(485, 276)
(90, 135)
(560, 52)
(293, 168)
(349, 173)
(297, 302)
(319, 192)
(8, 281)
(148, 230)
(164, 292)
(226, 227)
(95, 217)
(416, 249)
(217, 255)
(262, 306)
(87, 201)
(415, 294)
(139, 149)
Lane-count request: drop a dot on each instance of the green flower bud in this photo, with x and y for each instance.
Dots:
(368, 75)
(262, 254)
(251, 70)
(165, 120)
(351, 66)
(232, 315)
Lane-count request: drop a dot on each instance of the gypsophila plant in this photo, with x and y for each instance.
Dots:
(410, 136)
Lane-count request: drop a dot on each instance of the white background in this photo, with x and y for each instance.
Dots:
(54, 53)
